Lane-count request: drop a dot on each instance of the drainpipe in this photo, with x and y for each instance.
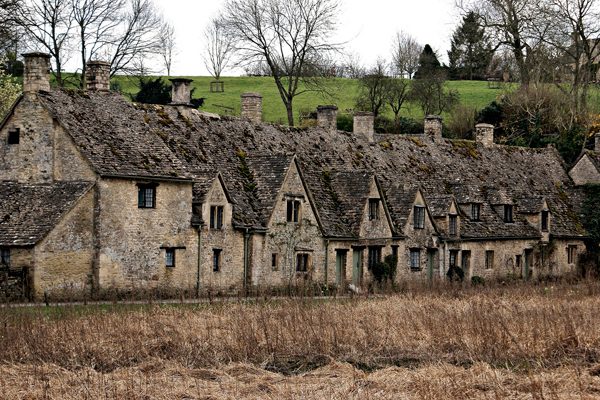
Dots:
(199, 261)
(246, 254)
(326, 260)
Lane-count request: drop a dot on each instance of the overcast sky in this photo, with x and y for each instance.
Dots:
(367, 26)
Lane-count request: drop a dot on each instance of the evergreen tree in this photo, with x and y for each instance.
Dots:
(470, 50)
(428, 63)
(153, 91)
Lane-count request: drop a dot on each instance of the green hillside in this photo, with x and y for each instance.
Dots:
(472, 93)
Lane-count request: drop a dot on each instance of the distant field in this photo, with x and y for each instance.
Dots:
(472, 93)
(528, 341)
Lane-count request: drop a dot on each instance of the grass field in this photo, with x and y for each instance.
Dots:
(472, 93)
(526, 341)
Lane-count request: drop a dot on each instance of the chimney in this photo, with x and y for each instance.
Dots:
(36, 75)
(433, 127)
(252, 107)
(484, 134)
(97, 76)
(327, 117)
(364, 124)
(597, 142)
(181, 94)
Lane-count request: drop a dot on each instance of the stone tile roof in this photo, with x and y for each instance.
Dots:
(122, 138)
(29, 212)
(352, 189)
(439, 206)
(269, 172)
(400, 202)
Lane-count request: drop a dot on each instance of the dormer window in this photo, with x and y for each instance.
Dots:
(5, 257)
(216, 217)
(293, 210)
(146, 195)
(545, 219)
(475, 211)
(508, 213)
(14, 136)
(373, 209)
(419, 217)
(453, 225)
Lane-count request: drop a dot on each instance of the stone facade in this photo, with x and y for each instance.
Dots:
(103, 195)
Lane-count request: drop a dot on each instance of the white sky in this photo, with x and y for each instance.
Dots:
(367, 26)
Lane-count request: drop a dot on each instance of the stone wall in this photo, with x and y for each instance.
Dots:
(32, 159)
(585, 172)
(132, 240)
(63, 259)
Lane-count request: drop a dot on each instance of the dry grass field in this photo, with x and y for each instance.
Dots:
(520, 342)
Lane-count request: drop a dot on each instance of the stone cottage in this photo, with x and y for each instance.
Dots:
(100, 194)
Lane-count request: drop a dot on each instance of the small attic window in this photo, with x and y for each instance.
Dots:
(545, 215)
(14, 136)
(508, 213)
(373, 209)
(475, 211)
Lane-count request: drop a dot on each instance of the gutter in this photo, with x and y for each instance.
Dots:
(147, 178)
(326, 260)
(246, 256)
(199, 260)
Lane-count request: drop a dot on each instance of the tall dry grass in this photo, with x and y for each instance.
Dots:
(521, 330)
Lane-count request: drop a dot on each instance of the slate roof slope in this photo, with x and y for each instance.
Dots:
(206, 145)
(400, 202)
(29, 212)
(115, 136)
(352, 189)
(269, 172)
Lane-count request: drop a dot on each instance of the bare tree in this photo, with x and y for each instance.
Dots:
(290, 35)
(48, 24)
(373, 89)
(167, 46)
(515, 24)
(397, 93)
(405, 55)
(218, 48)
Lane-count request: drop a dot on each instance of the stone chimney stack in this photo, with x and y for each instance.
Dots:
(484, 134)
(364, 124)
(97, 76)
(36, 75)
(597, 142)
(327, 117)
(433, 127)
(252, 107)
(181, 93)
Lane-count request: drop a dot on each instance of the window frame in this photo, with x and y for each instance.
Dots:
(373, 256)
(571, 253)
(217, 260)
(453, 258)
(509, 213)
(419, 217)
(414, 255)
(475, 212)
(274, 261)
(489, 259)
(216, 217)
(545, 220)
(5, 254)
(453, 224)
(302, 263)
(293, 210)
(374, 209)
(143, 191)
(170, 252)
(13, 137)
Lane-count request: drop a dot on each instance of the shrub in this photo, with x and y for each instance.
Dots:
(345, 122)
(477, 280)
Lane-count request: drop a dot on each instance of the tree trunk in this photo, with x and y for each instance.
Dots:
(290, 113)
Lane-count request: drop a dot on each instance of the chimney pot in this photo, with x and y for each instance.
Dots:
(433, 127)
(181, 93)
(484, 134)
(36, 76)
(97, 76)
(252, 107)
(364, 124)
(327, 117)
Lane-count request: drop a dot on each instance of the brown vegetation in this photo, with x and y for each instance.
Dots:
(539, 341)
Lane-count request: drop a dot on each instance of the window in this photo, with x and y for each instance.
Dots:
(395, 252)
(146, 195)
(374, 256)
(453, 225)
(302, 262)
(508, 213)
(217, 260)
(14, 136)
(170, 258)
(216, 217)
(5, 257)
(453, 258)
(465, 261)
(274, 262)
(571, 253)
(475, 211)
(489, 259)
(518, 262)
(415, 259)
(373, 209)
(293, 210)
(419, 217)
(545, 215)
